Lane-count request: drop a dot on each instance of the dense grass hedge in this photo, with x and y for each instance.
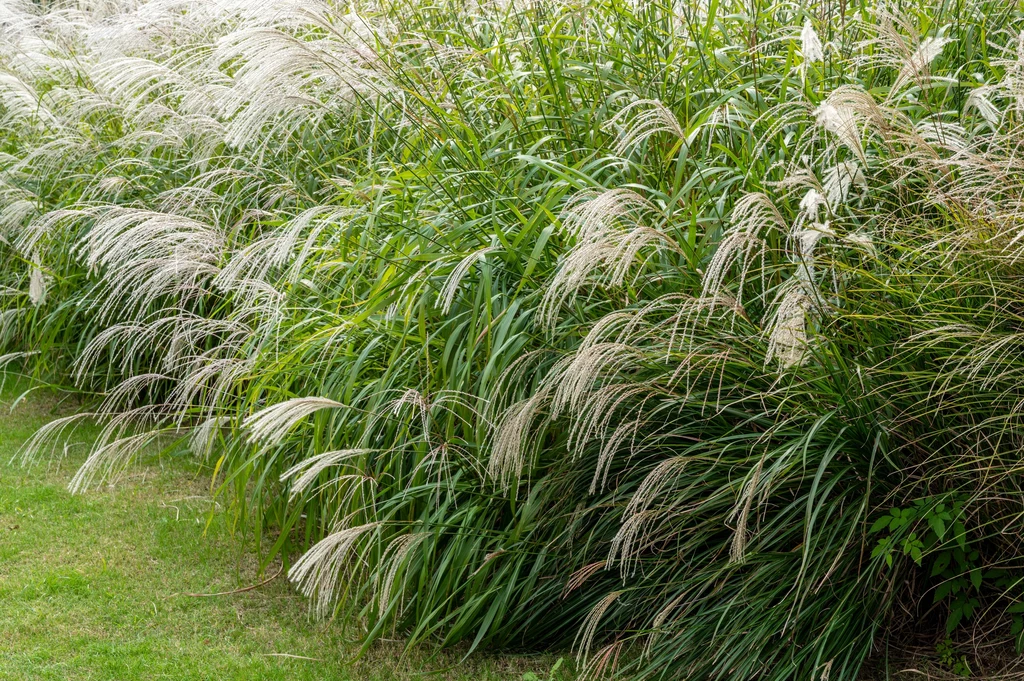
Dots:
(688, 334)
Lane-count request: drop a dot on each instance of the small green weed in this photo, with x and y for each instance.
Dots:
(949, 657)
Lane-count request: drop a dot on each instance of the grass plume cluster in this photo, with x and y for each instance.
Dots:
(687, 334)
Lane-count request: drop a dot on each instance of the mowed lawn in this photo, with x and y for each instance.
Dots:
(96, 586)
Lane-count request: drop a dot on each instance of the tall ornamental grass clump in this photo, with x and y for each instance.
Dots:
(687, 334)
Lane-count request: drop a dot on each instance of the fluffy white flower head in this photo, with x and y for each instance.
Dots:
(811, 203)
(810, 44)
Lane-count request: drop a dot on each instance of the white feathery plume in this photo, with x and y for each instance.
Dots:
(316, 220)
(9, 319)
(48, 434)
(395, 554)
(451, 284)
(72, 104)
(604, 261)
(841, 120)
(15, 211)
(723, 116)
(1013, 81)
(37, 282)
(318, 571)
(610, 236)
(23, 106)
(125, 395)
(510, 439)
(840, 179)
(294, 75)
(916, 65)
(56, 155)
(630, 540)
(110, 460)
(654, 118)
(741, 515)
(577, 375)
(787, 327)
(145, 254)
(588, 630)
(806, 239)
(626, 431)
(250, 268)
(195, 200)
(415, 399)
(655, 483)
(185, 335)
(980, 101)
(453, 401)
(810, 44)
(591, 213)
(642, 513)
(753, 215)
(118, 335)
(11, 356)
(942, 136)
(204, 436)
(137, 82)
(271, 424)
(209, 382)
(594, 417)
(811, 203)
(306, 471)
(112, 185)
(124, 435)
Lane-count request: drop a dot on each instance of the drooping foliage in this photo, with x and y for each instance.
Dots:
(687, 334)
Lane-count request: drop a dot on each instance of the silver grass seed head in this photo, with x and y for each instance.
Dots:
(397, 551)
(741, 515)
(917, 64)
(270, 425)
(653, 118)
(807, 239)
(37, 282)
(840, 179)
(811, 203)
(980, 100)
(810, 44)
(588, 631)
(15, 213)
(840, 120)
(458, 273)
(510, 439)
(308, 470)
(787, 327)
(318, 571)
(203, 438)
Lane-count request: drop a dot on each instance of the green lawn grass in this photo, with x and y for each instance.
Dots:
(94, 586)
